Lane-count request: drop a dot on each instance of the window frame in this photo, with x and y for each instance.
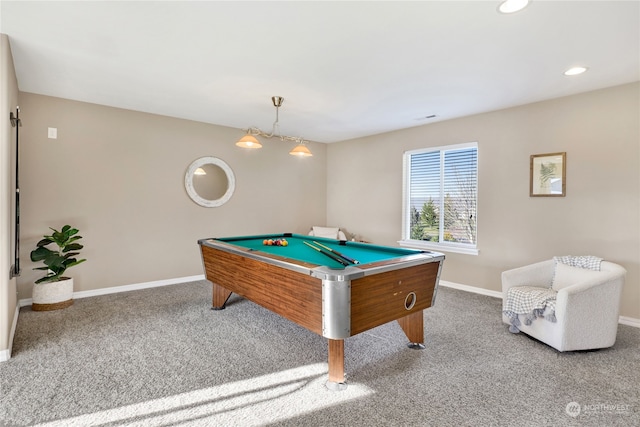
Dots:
(441, 246)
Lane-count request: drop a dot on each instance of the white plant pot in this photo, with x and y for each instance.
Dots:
(52, 295)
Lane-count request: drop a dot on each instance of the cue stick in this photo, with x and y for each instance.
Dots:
(329, 254)
(341, 255)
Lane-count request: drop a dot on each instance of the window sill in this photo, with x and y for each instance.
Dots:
(438, 247)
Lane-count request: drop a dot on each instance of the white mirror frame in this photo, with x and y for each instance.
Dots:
(188, 182)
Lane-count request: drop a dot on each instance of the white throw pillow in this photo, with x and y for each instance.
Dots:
(566, 275)
(328, 232)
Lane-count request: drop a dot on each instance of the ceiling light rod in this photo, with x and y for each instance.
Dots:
(275, 130)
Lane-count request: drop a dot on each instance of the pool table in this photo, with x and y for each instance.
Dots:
(314, 290)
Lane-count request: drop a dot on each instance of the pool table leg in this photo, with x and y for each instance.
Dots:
(220, 297)
(413, 327)
(336, 365)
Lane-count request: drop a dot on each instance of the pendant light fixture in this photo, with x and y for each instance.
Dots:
(250, 141)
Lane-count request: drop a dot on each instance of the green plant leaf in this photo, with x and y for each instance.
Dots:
(44, 242)
(54, 262)
(76, 263)
(41, 253)
(72, 247)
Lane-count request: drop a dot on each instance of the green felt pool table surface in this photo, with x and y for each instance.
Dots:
(297, 250)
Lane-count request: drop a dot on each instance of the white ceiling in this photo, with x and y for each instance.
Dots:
(345, 69)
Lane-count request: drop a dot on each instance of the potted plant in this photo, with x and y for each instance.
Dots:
(55, 291)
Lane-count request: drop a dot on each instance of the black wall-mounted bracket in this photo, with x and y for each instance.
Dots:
(16, 123)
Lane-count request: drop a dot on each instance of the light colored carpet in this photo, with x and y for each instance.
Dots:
(161, 357)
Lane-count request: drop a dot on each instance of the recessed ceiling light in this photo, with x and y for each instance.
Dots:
(511, 6)
(574, 71)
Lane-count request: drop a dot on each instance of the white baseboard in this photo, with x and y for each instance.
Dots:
(125, 288)
(623, 320)
(630, 321)
(6, 354)
(471, 289)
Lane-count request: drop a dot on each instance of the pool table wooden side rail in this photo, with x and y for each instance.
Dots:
(292, 295)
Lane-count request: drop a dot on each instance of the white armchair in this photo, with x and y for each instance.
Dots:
(587, 303)
(328, 232)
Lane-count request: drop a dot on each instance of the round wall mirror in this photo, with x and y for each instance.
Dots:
(209, 182)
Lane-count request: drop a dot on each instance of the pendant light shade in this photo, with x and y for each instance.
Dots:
(249, 141)
(301, 150)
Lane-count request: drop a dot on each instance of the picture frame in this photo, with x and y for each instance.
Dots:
(548, 175)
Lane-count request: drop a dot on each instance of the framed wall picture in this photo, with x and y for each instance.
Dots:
(547, 176)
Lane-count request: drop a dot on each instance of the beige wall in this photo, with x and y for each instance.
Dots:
(118, 176)
(8, 103)
(600, 131)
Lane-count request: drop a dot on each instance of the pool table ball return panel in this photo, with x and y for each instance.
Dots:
(327, 298)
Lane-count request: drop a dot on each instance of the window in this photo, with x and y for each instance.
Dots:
(440, 198)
